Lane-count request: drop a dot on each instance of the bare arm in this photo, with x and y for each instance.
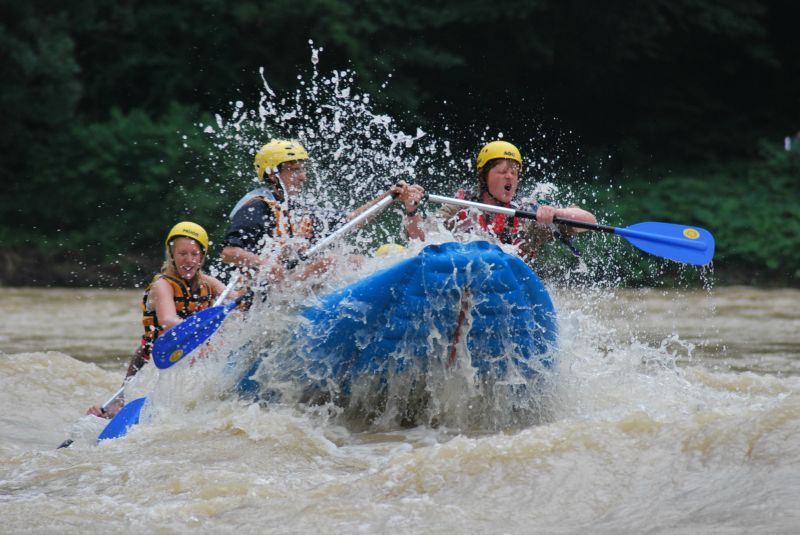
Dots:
(414, 227)
(163, 300)
(577, 214)
(240, 257)
(245, 259)
(545, 215)
(410, 195)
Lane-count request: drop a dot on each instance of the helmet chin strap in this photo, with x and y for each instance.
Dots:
(279, 182)
(285, 191)
(485, 188)
(495, 198)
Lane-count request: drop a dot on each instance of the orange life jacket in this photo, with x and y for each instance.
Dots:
(186, 304)
(285, 226)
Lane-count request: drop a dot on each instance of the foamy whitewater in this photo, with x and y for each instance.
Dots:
(667, 410)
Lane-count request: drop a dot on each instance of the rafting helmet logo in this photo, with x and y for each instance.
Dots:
(495, 150)
(187, 229)
(276, 152)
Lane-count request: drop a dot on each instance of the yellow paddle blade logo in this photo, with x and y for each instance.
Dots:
(176, 355)
(691, 233)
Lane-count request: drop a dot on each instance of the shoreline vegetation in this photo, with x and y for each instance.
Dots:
(751, 208)
(121, 119)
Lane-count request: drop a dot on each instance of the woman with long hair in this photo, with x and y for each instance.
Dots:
(176, 292)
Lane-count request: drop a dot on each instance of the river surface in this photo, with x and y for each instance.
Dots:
(678, 412)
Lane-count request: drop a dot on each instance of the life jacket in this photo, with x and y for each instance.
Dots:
(504, 228)
(186, 304)
(285, 227)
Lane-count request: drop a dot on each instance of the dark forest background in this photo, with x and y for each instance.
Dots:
(673, 110)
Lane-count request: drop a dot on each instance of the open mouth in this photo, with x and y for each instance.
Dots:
(507, 187)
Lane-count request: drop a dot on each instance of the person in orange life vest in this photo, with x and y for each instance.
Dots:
(499, 164)
(269, 216)
(179, 290)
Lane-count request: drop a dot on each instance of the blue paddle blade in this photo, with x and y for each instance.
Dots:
(182, 339)
(126, 418)
(690, 245)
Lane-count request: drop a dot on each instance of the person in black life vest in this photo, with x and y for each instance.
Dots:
(179, 290)
(499, 164)
(267, 218)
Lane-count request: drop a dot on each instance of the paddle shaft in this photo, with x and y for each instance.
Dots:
(518, 213)
(355, 222)
(179, 341)
(112, 399)
(327, 240)
(231, 283)
(67, 443)
(624, 232)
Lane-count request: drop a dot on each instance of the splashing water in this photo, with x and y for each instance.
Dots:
(710, 435)
(356, 153)
(664, 411)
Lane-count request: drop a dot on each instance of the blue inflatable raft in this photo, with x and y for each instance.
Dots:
(392, 345)
(452, 307)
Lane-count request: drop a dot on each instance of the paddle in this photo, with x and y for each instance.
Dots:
(127, 417)
(67, 443)
(690, 245)
(179, 341)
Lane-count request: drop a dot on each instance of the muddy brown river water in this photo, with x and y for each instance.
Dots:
(678, 412)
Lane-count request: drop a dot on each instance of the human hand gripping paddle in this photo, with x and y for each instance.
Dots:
(103, 408)
(174, 344)
(189, 334)
(681, 243)
(179, 341)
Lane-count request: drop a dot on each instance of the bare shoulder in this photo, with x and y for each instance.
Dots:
(161, 286)
(161, 291)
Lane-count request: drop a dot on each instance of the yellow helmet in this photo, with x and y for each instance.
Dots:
(191, 230)
(390, 249)
(277, 152)
(498, 149)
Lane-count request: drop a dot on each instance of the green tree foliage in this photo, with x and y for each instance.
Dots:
(39, 95)
(97, 96)
(132, 171)
(752, 207)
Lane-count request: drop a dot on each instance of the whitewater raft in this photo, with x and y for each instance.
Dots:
(455, 312)
(465, 306)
